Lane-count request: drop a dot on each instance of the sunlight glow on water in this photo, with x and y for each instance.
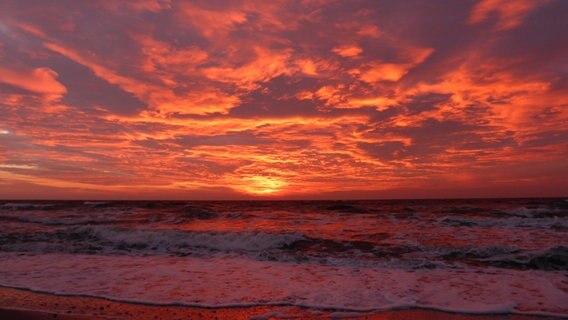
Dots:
(475, 256)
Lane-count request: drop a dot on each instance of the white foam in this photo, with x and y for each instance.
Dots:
(531, 212)
(512, 222)
(24, 206)
(237, 281)
(164, 239)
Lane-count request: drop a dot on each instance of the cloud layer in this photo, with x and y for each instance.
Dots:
(285, 99)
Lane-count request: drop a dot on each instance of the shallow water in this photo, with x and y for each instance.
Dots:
(476, 256)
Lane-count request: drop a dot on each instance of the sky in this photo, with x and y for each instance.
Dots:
(307, 99)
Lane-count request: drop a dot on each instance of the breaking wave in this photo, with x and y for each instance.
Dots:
(507, 255)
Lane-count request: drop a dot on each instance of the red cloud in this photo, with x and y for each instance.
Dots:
(282, 99)
(511, 12)
(38, 80)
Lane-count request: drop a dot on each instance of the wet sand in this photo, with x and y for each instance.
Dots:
(16, 304)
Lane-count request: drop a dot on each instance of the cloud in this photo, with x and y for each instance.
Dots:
(510, 13)
(369, 31)
(212, 22)
(141, 5)
(231, 99)
(384, 72)
(265, 66)
(348, 51)
(38, 80)
(133, 86)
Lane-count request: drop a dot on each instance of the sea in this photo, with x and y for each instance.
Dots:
(481, 256)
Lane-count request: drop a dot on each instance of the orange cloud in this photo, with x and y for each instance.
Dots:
(133, 86)
(511, 12)
(163, 58)
(307, 66)
(198, 102)
(348, 51)
(211, 22)
(383, 72)
(159, 98)
(38, 80)
(379, 71)
(369, 31)
(140, 5)
(280, 99)
(264, 66)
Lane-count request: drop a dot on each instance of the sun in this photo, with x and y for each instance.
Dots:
(264, 185)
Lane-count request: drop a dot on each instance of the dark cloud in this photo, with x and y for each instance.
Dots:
(225, 99)
(86, 91)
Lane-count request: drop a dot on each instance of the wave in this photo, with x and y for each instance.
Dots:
(324, 232)
(292, 247)
(284, 247)
(240, 281)
(554, 223)
(549, 259)
(538, 212)
(97, 203)
(159, 239)
(20, 206)
(343, 207)
(146, 241)
(555, 258)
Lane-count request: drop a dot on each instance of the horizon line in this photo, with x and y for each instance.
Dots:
(292, 199)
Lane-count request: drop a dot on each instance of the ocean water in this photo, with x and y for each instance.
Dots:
(475, 256)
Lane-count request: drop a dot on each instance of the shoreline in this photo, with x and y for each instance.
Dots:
(23, 304)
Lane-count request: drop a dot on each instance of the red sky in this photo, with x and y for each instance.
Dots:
(216, 99)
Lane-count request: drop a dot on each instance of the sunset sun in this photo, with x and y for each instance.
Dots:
(264, 185)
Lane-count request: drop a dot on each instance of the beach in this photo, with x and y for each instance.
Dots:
(443, 259)
(16, 304)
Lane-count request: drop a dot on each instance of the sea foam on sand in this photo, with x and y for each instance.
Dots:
(238, 281)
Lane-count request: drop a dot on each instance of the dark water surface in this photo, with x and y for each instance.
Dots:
(499, 255)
